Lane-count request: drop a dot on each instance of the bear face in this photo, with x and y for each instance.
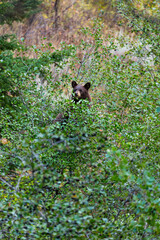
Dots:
(80, 92)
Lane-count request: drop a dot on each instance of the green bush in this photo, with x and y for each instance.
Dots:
(96, 174)
(17, 10)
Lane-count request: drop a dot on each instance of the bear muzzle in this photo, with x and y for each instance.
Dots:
(77, 94)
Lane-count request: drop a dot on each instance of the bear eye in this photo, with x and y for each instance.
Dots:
(80, 90)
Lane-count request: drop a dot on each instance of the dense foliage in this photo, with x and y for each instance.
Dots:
(96, 174)
(17, 10)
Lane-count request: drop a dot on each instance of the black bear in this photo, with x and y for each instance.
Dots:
(79, 92)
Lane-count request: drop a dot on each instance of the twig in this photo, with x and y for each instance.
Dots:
(6, 183)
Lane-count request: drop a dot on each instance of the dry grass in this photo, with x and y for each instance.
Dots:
(72, 16)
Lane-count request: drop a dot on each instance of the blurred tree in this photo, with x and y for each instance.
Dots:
(56, 7)
(147, 9)
(17, 10)
(12, 10)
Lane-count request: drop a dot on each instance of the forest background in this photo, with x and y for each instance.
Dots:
(96, 175)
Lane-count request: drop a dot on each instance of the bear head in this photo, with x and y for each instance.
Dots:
(80, 92)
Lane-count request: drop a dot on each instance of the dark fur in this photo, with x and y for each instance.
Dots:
(79, 92)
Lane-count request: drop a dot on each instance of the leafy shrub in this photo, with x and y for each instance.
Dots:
(95, 175)
(17, 10)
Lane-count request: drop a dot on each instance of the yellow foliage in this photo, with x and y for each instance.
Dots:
(4, 141)
(45, 15)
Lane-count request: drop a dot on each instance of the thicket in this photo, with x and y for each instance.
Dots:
(95, 175)
(17, 10)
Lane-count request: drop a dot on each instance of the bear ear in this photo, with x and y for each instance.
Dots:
(87, 85)
(74, 84)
